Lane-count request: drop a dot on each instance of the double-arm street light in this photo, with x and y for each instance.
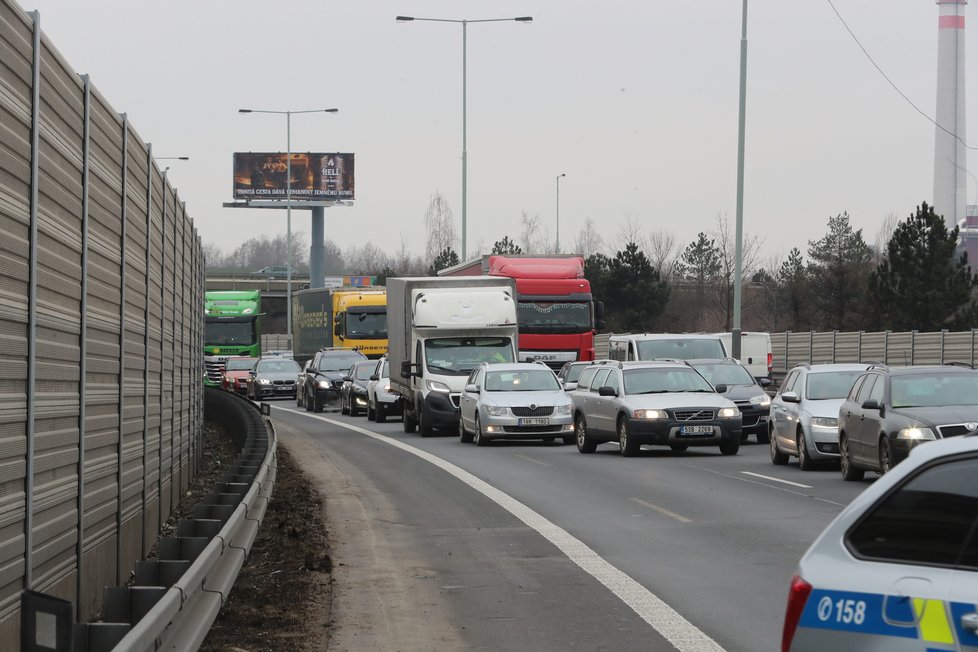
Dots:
(288, 201)
(557, 239)
(464, 24)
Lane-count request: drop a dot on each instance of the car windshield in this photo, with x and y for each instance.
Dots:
(660, 381)
(275, 366)
(458, 356)
(363, 371)
(531, 380)
(934, 390)
(830, 384)
(680, 348)
(241, 364)
(341, 362)
(725, 374)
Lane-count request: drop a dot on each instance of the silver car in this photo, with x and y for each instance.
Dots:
(805, 413)
(381, 403)
(897, 570)
(663, 402)
(521, 400)
(272, 377)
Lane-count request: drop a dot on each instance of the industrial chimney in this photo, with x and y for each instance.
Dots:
(950, 155)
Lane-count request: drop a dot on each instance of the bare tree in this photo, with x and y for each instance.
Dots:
(530, 237)
(727, 248)
(439, 224)
(368, 259)
(631, 231)
(588, 241)
(662, 253)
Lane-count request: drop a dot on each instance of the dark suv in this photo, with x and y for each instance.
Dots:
(323, 378)
(890, 410)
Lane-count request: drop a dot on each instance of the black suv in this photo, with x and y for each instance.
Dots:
(323, 378)
(890, 410)
(744, 390)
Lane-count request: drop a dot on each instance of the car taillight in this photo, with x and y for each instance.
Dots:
(797, 597)
(770, 363)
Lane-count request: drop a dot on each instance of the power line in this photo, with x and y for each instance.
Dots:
(891, 83)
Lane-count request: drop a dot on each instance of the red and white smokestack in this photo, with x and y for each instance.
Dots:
(950, 154)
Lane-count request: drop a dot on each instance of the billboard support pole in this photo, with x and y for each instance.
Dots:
(288, 227)
(317, 249)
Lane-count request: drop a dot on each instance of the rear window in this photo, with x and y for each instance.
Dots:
(680, 348)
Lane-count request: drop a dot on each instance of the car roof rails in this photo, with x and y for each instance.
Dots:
(878, 365)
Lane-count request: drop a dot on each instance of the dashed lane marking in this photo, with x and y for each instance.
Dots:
(663, 510)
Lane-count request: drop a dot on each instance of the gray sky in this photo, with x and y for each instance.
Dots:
(635, 100)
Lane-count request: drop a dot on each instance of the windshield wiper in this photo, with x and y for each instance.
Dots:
(655, 391)
(434, 367)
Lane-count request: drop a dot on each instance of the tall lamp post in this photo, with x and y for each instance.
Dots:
(739, 249)
(288, 203)
(464, 24)
(557, 238)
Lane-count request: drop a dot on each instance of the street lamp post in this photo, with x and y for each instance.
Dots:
(464, 24)
(288, 204)
(739, 249)
(557, 238)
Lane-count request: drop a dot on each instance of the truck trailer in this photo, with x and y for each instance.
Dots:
(441, 329)
(354, 318)
(556, 312)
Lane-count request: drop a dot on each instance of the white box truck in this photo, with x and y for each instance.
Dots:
(439, 330)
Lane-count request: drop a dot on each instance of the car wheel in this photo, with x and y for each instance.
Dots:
(478, 437)
(344, 409)
(678, 448)
(317, 404)
(354, 410)
(777, 457)
(380, 414)
(762, 436)
(730, 446)
(886, 455)
(371, 413)
(849, 472)
(298, 399)
(805, 463)
(629, 447)
(464, 435)
(424, 428)
(306, 403)
(584, 444)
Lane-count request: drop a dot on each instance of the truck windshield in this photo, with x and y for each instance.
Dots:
(227, 333)
(366, 326)
(553, 317)
(458, 356)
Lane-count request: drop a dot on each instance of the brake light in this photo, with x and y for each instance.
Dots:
(797, 597)
(770, 363)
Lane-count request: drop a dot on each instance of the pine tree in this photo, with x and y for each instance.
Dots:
(506, 247)
(922, 283)
(793, 281)
(700, 267)
(446, 258)
(838, 269)
(636, 294)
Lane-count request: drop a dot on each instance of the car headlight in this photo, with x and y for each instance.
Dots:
(496, 410)
(824, 423)
(649, 414)
(917, 433)
(761, 401)
(323, 384)
(435, 386)
(264, 381)
(726, 413)
(563, 410)
(387, 388)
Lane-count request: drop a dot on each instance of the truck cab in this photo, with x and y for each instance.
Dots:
(360, 321)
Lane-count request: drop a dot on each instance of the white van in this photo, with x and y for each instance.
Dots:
(755, 352)
(657, 346)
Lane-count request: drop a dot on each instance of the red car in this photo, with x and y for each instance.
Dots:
(235, 377)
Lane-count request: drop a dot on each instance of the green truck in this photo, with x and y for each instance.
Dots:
(232, 327)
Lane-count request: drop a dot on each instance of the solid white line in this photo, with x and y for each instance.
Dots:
(681, 633)
(767, 477)
(663, 510)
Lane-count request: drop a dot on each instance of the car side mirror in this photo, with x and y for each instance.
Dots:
(790, 397)
(348, 379)
(374, 377)
(570, 387)
(871, 404)
(721, 388)
(607, 390)
(252, 373)
(763, 382)
(472, 389)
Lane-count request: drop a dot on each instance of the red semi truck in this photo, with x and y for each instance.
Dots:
(556, 312)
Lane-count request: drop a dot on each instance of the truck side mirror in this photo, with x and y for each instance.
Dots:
(599, 324)
(408, 370)
(336, 329)
(599, 311)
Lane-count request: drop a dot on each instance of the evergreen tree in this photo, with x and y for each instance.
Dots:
(387, 273)
(446, 258)
(793, 282)
(700, 267)
(506, 247)
(636, 294)
(922, 283)
(838, 270)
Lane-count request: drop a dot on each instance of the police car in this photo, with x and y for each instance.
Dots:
(897, 570)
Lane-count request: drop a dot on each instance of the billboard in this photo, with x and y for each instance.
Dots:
(263, 175)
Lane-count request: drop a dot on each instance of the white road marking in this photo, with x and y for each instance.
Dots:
(530, 459)
(663, 510)
(681, 633)
(767, 477)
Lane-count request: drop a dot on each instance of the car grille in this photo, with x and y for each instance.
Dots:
(283, 383)
(953, 431)
(694, 415)
(539, 411)
(516, 430)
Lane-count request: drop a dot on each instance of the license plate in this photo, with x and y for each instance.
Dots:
(697, 430)
(534, 422)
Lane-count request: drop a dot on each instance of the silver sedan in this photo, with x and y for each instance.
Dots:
(514, 401)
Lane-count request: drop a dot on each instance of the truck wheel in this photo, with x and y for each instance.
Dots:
(424, 428)
(380, 413)
(409, 421)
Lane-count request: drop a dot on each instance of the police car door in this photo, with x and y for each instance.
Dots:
(962, 602)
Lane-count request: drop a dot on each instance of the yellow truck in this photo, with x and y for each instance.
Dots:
(349, 317)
